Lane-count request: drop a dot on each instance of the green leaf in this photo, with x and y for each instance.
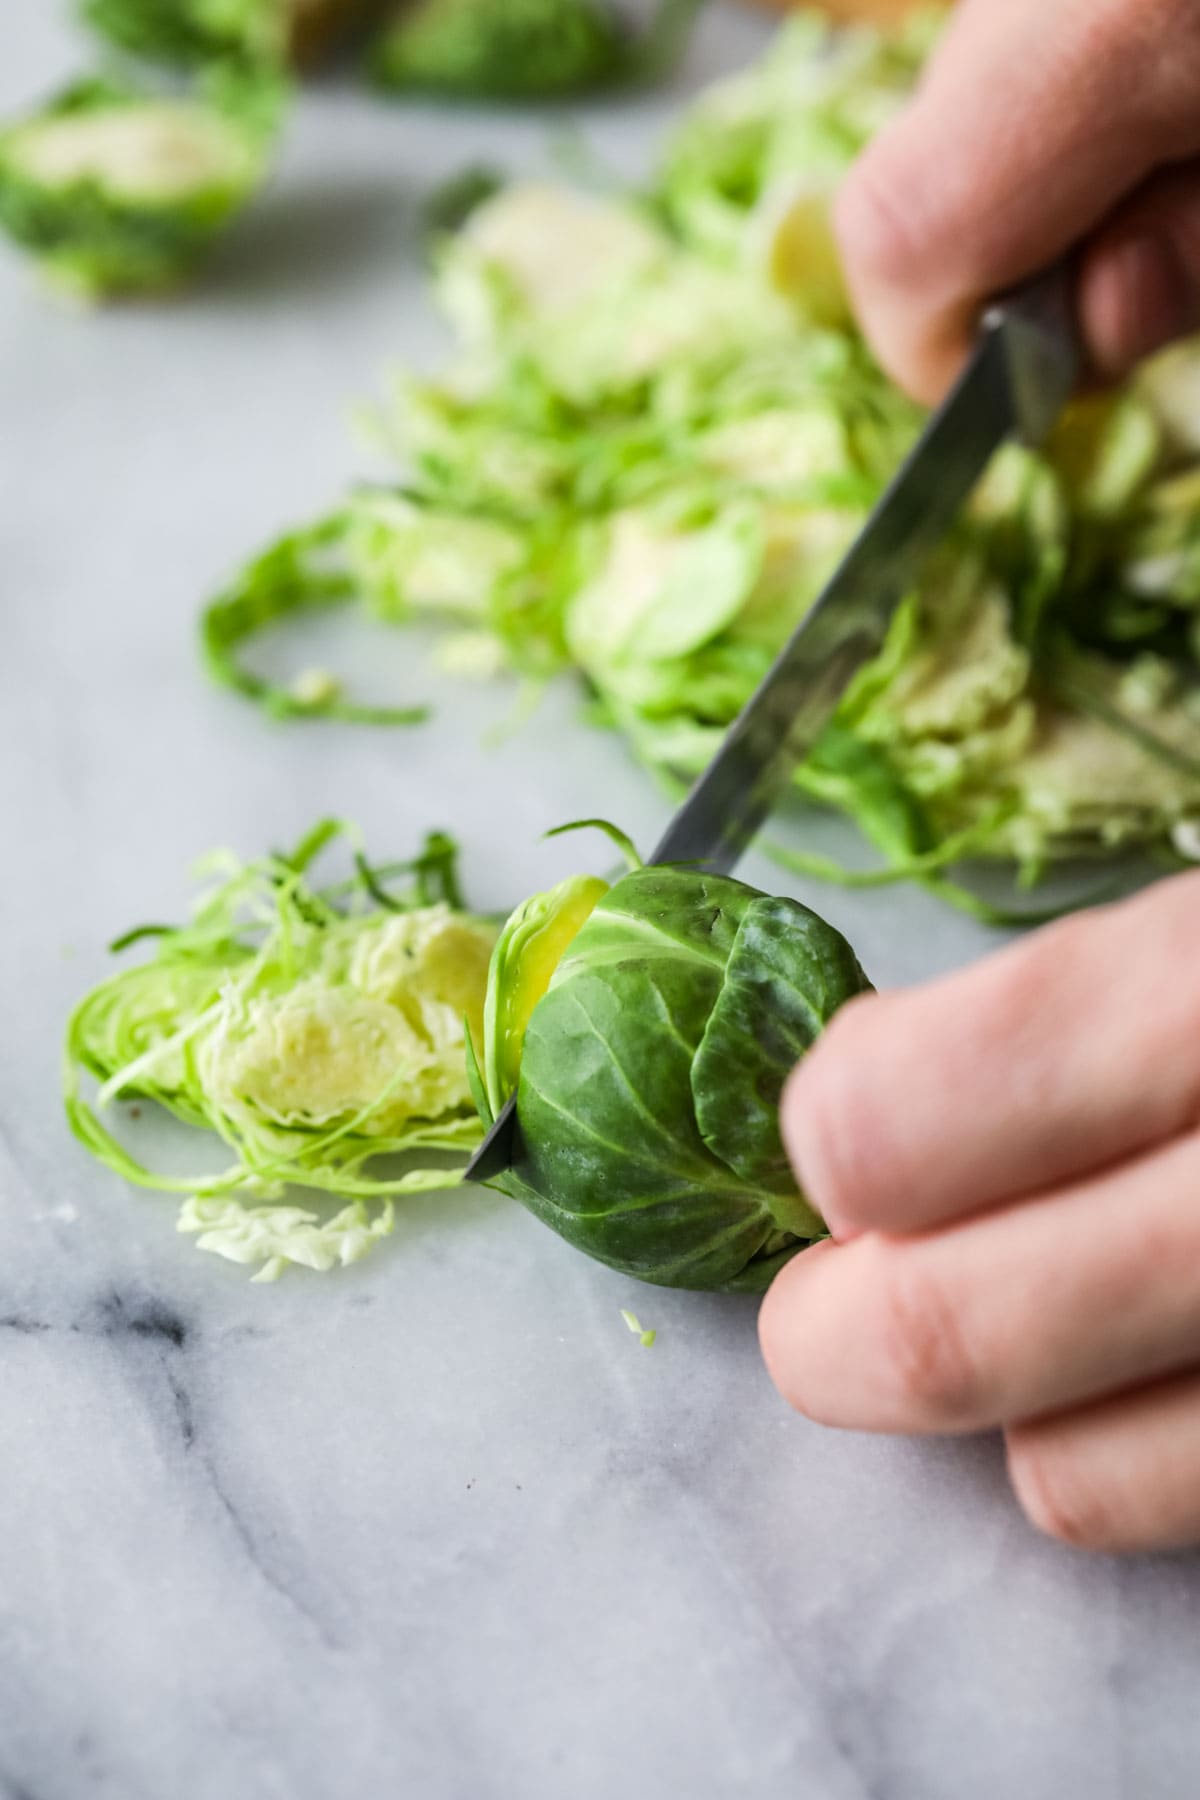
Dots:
(860, 778)
(304, 571)
(476, 1081)
(786, 976)
(705, 590)
(621, 839)
(524, 962)
(613, 1159)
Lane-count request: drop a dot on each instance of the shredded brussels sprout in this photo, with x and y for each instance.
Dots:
(315, 1031)
(661, 431)
(644, 1337)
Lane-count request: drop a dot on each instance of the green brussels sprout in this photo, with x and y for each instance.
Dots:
(187, 31)
(200, 31)
(505, 49)
(115, 191)
(525, 49)
(647, 1030)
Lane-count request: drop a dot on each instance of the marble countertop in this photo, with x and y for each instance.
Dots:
(438, 1526)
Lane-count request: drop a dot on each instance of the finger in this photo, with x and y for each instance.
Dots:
(1122, 1475)
(1026, 1311)
(1139, 281)
(1005, 159)
(1064, 1052)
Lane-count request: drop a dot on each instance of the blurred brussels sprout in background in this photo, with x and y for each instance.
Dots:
(115, 190)
(524, 49)
(198, 31)
(514, 50)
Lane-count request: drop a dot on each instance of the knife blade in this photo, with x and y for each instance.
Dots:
(1020, 374)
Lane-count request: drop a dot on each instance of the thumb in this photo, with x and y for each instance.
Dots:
(1008, 156)
(1139, 277)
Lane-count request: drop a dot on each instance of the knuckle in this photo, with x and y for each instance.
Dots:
(932, 1374)
(874, 219)
(1144, 59)
(1111, 31)
(1056, 1498)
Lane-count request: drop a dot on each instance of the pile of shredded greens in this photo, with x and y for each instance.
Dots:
(660, 431)
(318, 1031)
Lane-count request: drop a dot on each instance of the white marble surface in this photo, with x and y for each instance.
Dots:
(438, 1527)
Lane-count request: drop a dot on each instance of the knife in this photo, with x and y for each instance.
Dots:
(1016, 381)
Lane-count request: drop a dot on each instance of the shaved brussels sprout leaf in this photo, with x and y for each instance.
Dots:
(645, 1337)
(476, 1082)
(527, 953)
(279, 1237)
(314, 1031)
(304, 571)
(621, 839)
(1076, 683)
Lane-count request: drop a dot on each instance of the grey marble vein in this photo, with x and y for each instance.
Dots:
(438, 1528)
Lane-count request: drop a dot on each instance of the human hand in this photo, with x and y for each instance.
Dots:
(1041, 124)
(1009, 1161)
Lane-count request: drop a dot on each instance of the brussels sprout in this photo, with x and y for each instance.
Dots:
(200, 31)
(505, 49)
(187, 31)
(647, 1030)
(116, 191)
(525, 49)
